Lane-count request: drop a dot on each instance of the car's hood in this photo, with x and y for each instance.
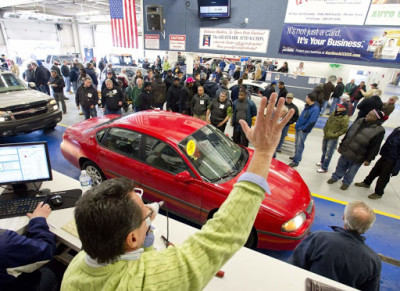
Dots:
(289, 192)
(23, 97)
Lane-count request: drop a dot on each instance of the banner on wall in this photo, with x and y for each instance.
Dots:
(375, 44)
(327, 12)
(384, 13)
(229, 39)
(152, 41)
(177, 42)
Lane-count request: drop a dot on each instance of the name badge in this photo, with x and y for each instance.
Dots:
(201, 102)
(221, 106)
(89, 95)
(115, 91)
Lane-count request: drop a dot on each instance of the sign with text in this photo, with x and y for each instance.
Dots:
(239, 40)
(327, 12)
(384, 14)
(152, 41)
(375, 44)
(177, 42)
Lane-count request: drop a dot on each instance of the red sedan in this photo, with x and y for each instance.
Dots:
(192, 167)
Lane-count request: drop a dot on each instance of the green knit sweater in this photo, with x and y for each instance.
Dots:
(189, 266)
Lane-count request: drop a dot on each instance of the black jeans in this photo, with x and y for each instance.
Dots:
(382, 169)
(239, 136)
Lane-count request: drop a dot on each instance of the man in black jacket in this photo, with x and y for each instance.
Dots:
(388, 165)
(40, 77)
(185, 98)
(282, 90)
(270, 89)
(87, 97)
(342, 255)
(57, 83)
(368, 104)
(356, 95)
(65, 73)
(360, 145)
(219, 111)
(146, 100)
(173, 96)
(337, 93)
(169, 79)
(111, 98)
(289, 104)
(92, 74)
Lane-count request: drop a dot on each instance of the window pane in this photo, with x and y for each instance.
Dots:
(162, 156)
(123, 141)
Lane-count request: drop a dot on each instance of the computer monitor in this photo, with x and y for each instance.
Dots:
(23, 164)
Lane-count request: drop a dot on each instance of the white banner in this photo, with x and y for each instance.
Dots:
(340, 12)
(240, 40)
(152, 41)
(384, 14)
(177, 42)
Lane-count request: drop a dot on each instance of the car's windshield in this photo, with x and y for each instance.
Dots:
(213, 154)
(8, 82)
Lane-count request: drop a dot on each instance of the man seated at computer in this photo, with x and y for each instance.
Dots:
(112, 223)
(22, 256)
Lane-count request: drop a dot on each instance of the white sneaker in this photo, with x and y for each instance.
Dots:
(318, 164)
(321, 171)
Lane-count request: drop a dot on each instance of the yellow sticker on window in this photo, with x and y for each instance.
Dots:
(190, 148)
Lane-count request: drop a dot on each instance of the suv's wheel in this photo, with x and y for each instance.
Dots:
(94, 172)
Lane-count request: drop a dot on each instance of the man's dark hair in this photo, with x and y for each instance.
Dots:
(312, 97)
(281, 83)
(240, 81)
(104, 217)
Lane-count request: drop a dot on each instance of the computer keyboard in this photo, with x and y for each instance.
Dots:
(18, 207)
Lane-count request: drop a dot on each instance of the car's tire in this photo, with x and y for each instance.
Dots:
(94, 172)
(251, 242)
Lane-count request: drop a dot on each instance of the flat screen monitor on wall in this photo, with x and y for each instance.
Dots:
(214, 8)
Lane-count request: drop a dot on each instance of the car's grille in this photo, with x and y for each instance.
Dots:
(30, 111)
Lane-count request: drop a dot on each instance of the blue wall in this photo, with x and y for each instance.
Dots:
(262, 14)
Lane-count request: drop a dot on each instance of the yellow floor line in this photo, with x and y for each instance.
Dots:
(62, 124)
(345, 203)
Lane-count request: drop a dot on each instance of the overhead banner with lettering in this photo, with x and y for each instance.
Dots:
(236, 40)
(327, 12)
(375, 44)
(384, 13)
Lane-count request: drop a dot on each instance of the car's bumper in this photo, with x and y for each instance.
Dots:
(30, 124)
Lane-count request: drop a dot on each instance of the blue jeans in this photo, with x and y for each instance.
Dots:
(67, 84)
(333, 105)
(328, 148)
(323, 108)
(299, 146)
(284, 134)
(346, 169)
(89, 112)
(108, 111)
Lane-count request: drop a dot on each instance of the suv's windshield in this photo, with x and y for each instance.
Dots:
(8, 82)
(214, 155)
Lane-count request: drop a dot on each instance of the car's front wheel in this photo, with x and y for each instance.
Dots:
(94, 172)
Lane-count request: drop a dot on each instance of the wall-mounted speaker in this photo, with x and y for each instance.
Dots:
(59, 27)
(154, 17)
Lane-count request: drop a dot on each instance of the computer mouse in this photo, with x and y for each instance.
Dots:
(56, 200)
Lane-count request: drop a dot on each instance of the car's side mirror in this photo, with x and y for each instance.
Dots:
(183, 177)
(32, 85)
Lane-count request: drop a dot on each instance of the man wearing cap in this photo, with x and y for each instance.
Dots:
(336, 125)
(110, 76)
(111, 98)
(173, 96)
(289, 104)
(374, 91)
(219, 111)
(185, 98)
(369, 104)
(388, 107)
(271, 89)
(243, 108)
(145, 98)
(360, 145)
(199, 104)
(388, 165)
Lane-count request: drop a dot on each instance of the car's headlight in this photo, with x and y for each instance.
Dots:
(52, 102)
(310, 206)
(55, 107)
(294, 223)
(4, 116)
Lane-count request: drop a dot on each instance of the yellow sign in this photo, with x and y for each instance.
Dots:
(190, 148)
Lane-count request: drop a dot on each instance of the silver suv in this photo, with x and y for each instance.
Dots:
(23, 110)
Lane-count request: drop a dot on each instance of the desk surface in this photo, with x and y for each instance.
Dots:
(247, 269)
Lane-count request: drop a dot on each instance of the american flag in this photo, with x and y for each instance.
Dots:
(123, 23)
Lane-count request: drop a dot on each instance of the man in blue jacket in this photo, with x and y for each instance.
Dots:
(243, 108)
(388, 165)
(26, 253)
(304, 125)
